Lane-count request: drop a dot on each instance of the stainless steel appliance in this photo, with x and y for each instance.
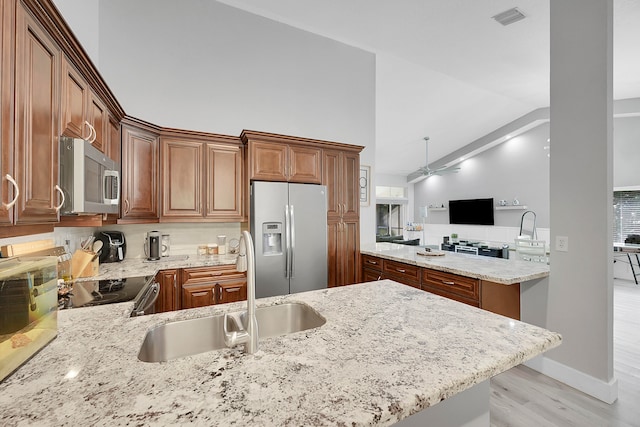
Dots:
(114, 246)
(89, 179)
(289, 230)
(143, 290)
(28, 308)
(153, 245)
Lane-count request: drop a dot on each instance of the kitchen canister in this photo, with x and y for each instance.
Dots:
(222, 244)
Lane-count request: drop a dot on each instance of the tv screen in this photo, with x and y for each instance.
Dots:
(471, 211)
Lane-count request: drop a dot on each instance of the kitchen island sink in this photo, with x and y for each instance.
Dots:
(177, 339)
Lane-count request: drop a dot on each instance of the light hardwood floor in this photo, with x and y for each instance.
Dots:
(522, 397)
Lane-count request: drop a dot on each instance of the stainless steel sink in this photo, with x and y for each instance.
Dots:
(188, 337)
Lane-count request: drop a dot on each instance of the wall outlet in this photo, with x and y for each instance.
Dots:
(562, 243)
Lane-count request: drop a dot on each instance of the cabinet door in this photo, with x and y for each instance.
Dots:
(37, 121)
(75, 95)
(268, 161)
(350, 252)
(201, 295)
(305, 165)
(181, 178)
(232, 291)
(369, 275)
(98, 118)
(224, 182)
(139, 174)
(334, 266)
(169, 297)
(350, 188)
(114, 140)
(332, 180)
(6, 108)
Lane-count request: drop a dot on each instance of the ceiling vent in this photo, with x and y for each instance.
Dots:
(509, 16)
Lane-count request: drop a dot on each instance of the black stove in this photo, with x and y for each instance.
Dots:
(88, 293)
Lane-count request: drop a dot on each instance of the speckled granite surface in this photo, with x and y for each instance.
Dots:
(131, 267)
(386, 351)
(504, 271)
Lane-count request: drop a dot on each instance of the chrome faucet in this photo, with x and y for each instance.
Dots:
(248, 332)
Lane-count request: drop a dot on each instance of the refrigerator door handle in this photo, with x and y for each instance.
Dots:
(292, 243)
(287, 241)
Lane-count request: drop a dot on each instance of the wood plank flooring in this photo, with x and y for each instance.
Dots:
(522, 397)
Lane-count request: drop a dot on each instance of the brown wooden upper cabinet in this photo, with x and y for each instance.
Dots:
(202, 178)
(7, 190)
(37, 100)
(75, 99)
(139, 174)
(83, 115)
(270, 160)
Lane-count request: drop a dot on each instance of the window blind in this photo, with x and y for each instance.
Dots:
(626, 213)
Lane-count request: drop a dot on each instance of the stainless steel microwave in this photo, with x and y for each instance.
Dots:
(89, 179)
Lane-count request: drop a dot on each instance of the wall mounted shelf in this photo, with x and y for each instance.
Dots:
(511, 208)
(437, 209)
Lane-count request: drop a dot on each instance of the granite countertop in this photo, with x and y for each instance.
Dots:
(498, 270)
(386, 351)
(132, 267)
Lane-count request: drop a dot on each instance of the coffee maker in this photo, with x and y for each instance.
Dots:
(153, 245)
(114, 246)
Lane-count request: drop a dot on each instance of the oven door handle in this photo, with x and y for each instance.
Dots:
(148, 300)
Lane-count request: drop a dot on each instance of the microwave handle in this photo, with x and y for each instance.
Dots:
(115, 174)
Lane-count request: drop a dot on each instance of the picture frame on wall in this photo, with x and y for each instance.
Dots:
(364, 184)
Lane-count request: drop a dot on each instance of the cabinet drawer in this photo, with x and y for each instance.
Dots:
(371, 262)
(407, 272)
(209, 274)
(452, 283)
(437, 291)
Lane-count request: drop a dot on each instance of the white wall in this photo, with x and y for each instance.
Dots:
(626, 151)
(83, 18)
(207, 66)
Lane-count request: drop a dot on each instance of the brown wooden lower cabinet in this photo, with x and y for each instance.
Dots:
(203, 286)
(490, 296)
(199, 287)
(169, 296)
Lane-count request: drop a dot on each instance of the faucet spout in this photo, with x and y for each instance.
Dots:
(248, 333)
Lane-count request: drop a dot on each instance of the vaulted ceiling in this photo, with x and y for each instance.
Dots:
(446, 69)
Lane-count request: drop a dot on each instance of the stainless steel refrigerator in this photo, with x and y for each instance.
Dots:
(289, 230)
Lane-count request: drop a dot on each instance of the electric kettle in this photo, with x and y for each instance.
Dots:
(153, 245)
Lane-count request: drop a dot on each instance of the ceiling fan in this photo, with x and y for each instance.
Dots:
(430, 172)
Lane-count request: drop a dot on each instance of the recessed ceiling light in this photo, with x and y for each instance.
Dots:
(509, 16)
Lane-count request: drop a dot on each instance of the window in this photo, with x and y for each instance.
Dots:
(389, 219)
(390, 210)
(626, 213)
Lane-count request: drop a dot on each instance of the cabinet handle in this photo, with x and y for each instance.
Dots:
(400, 270)
(344, 209)
(372, 262)
(92, 132)
(59, 190)
(231, 289)
(126, 206)
(219, 273)
(175, 280)
(13, 182)
(448, 283)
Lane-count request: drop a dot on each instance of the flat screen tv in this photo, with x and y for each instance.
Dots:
(471, 211)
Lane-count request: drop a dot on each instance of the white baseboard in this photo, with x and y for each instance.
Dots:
(605, 391)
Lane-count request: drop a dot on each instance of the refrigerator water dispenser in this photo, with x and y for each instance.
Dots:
(272, 238)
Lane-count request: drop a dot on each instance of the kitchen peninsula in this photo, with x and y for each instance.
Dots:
(485, 282)
(386, 353)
